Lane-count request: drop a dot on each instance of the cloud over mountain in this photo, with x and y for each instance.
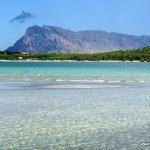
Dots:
(22, 17)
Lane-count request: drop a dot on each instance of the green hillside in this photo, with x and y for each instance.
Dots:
(141, 54)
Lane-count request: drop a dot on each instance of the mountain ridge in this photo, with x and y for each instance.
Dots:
(51, 39)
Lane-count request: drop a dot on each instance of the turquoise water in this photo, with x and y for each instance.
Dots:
(75, 72)
(74, 105)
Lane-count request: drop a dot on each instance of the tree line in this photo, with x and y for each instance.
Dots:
(141, 54)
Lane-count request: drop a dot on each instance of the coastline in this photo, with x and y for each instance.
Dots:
(67, 61)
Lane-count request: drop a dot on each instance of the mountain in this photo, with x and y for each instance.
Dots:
(50, 39)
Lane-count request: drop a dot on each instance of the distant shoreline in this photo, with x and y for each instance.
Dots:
(65, 61)
(138, 55)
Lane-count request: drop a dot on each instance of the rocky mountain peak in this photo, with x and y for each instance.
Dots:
(51, 39)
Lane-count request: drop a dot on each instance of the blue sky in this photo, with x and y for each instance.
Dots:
(122, 16)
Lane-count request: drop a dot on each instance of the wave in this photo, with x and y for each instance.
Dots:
(102, 81)
(10, 85)
(115, 81)
(58, 80)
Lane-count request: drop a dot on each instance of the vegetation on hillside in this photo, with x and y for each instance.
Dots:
(141, 54)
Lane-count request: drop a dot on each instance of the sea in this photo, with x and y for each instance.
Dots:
(74, 105)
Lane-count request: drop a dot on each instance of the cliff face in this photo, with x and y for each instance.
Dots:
(50, 39)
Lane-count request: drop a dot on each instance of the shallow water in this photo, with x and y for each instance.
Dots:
(79, 114)
(75, 71)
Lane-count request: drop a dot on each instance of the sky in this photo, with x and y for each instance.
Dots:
(121, 16)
